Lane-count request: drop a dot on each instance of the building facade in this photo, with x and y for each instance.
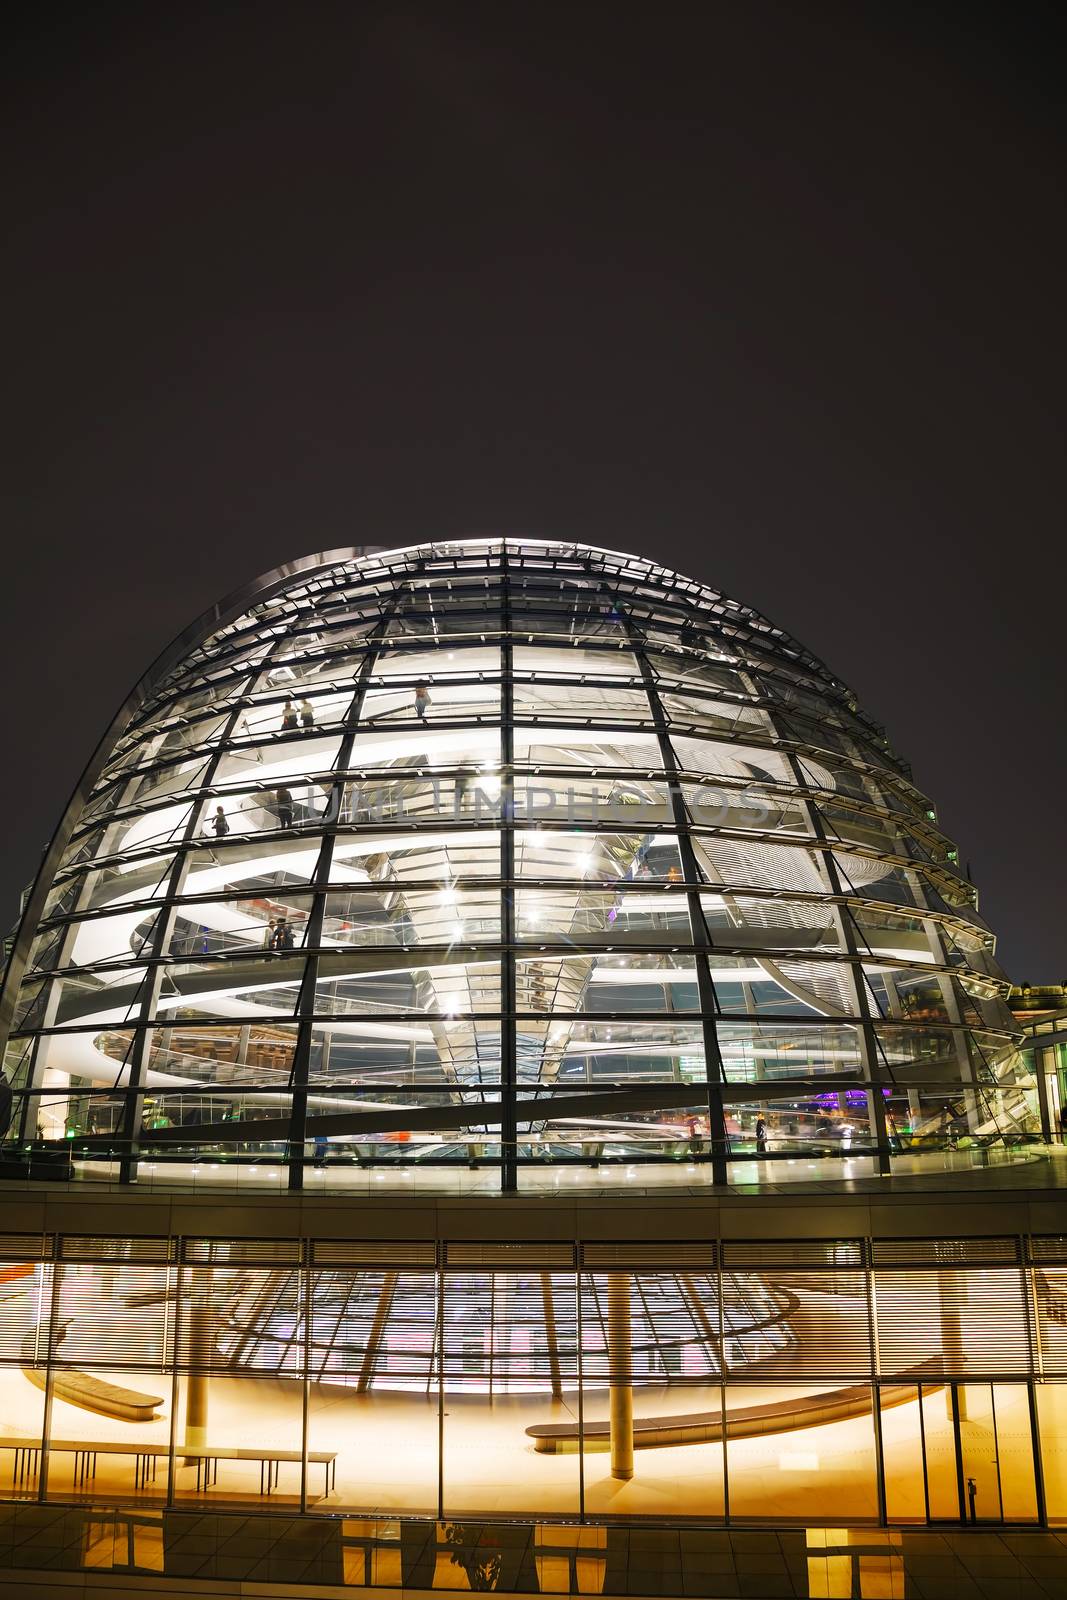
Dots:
(457, 985)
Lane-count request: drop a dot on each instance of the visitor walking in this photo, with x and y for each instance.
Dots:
(422, 701)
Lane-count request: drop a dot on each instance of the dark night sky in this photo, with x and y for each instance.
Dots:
(773, 294)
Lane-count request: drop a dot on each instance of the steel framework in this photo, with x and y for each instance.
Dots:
(505, 855)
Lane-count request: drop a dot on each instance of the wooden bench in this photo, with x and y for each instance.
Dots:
(697, 1427)
(91, 1394)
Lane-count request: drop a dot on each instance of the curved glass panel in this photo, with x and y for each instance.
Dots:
(505, 863)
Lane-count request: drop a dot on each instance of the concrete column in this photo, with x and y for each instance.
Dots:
(951, 1334)
(620, 1376)
(198, 1311)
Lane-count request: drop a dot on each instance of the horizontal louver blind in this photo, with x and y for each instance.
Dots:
(253, 1251)
(374, 1328)
(26, 1289)
(1050, 1304)
(674, 1325)
(967, 1321)
(507, 1329)
(795, 1252)
(110, 1314)
(700, 1255)
(1049, 1248)
(807, 1325)
(947, 1252)
(511, 1257)
(77, 1247)
(374, 1252)
(241, 1317)
(25, 1246)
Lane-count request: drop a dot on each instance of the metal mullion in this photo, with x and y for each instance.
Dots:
(509, 1164)
(714, 1071)
(66, 943)
(868, 1037)
(49, 1391)
(304, 1276)
(162, 932)
(874, 1346)
(869, 1043)
(947, 985)
(172, 1431)
(305, 1005)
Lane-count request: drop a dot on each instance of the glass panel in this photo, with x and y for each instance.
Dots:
(747, 763)
(762, 1052)
(390, 917)
(902, 1452)
(795, 1452)
(294, 712)
(114, 1314)
(431, 698)
(599, 702)
(373, 1393)
(22, 1398)
(765, 987)
(1052, 1429)
(591, 917)
(611, 1051)
(818, 1125)
(510, 1368)
(613, 1132)
(953, 1319)
(997, 1451)
(288, 763)
(244, 927)
(481, 661)
(109, 1435)
(652, 1403)
(703, 712)
(978, 1452)
(205, 1119)
(633, 802)
(597, 857)
(238, 1442)
(355, 985)
(586, 747)
(575, 661)
(606, 983)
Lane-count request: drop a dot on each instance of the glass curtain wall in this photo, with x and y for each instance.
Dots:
(504, 864)
(914, 1381)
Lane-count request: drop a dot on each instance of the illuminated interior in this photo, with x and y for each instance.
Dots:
(849, 1381)
(503, 864)
(515, 870)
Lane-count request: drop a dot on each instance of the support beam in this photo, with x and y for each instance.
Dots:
(551, 1337)
(381, 1317)
(198, 1310)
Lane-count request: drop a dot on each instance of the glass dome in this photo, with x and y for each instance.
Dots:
(500, 864)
